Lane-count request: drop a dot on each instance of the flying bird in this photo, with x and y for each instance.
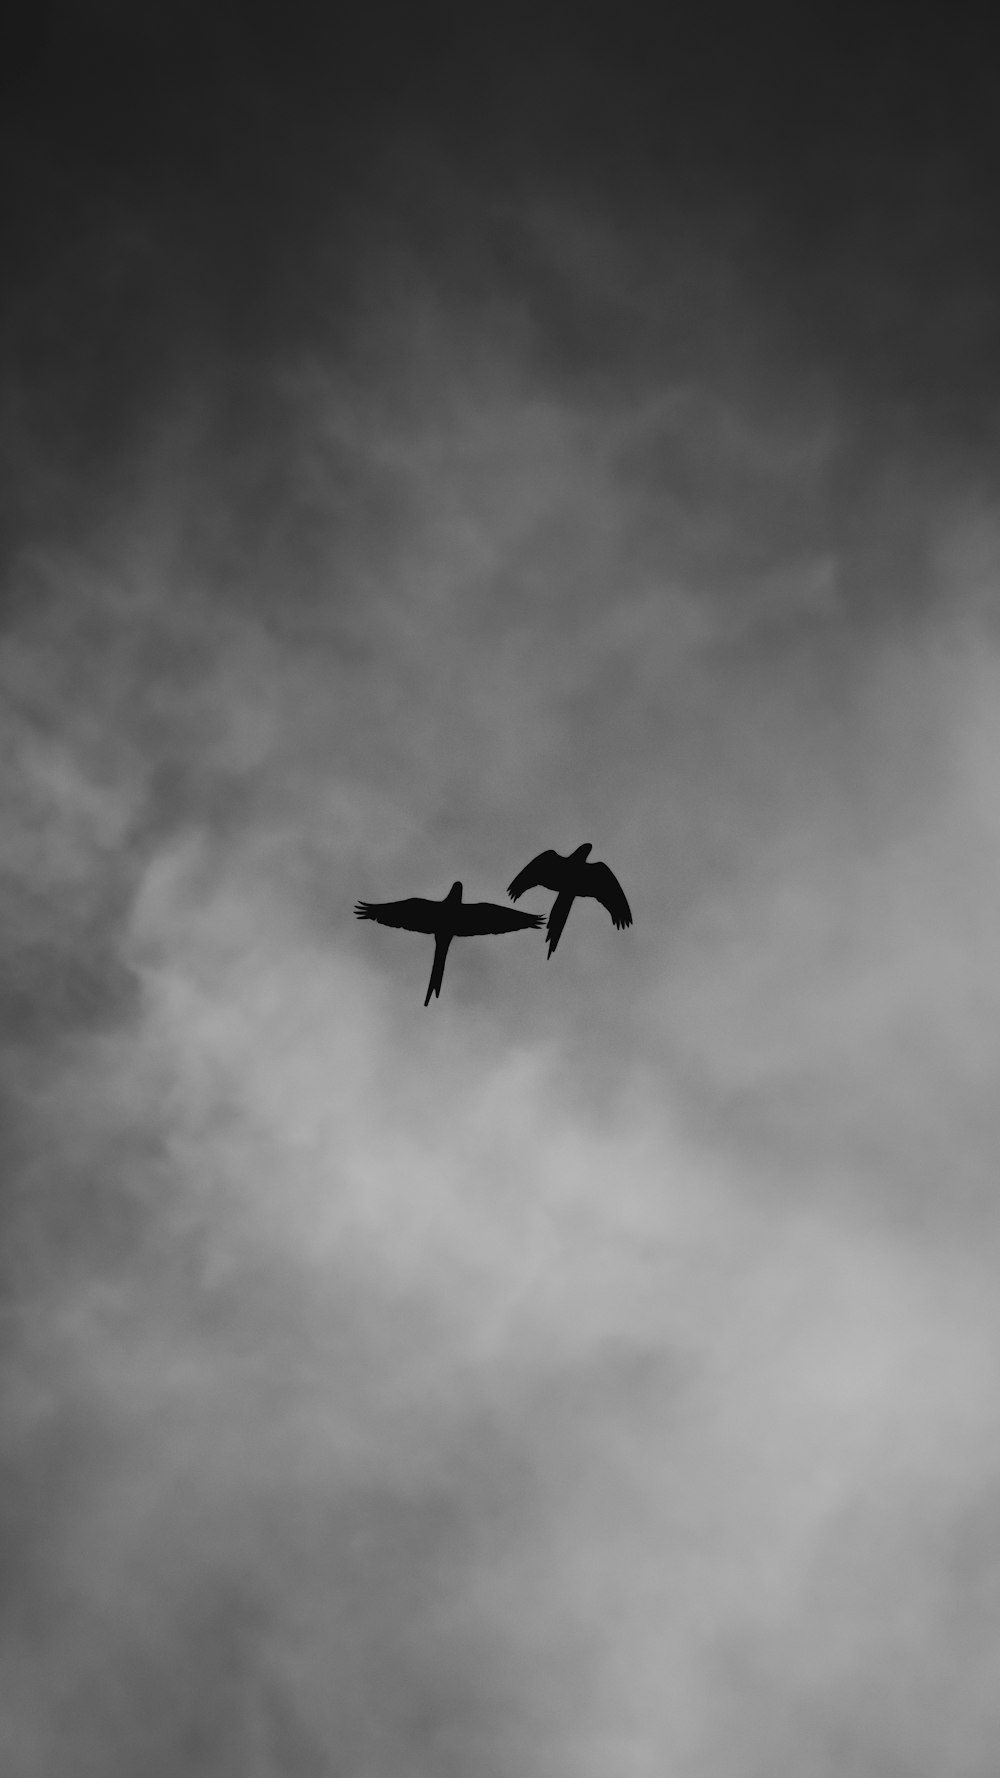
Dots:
(447, 919)
(571, 877)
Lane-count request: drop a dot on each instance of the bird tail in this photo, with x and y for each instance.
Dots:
(557, 919)
(437, 973)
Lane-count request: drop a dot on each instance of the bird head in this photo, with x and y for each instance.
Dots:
(454, 893)
(581, 851)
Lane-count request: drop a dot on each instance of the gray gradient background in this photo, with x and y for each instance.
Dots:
(421, 444)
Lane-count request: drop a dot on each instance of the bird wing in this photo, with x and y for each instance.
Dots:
(474, 917)
(416, 914)
(545, 872)
(603, 885)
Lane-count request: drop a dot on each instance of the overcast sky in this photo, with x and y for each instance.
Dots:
(425, 441)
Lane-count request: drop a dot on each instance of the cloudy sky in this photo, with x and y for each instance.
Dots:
(424, 441)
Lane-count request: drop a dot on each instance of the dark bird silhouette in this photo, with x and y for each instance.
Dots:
(447, 919)
(571, 877)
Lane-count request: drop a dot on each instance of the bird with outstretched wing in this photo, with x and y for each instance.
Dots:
(447, 919)
(570, 877)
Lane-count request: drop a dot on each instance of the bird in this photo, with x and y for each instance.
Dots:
(447, 919)
(570, 877)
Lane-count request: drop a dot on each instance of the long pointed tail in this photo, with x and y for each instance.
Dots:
(437, 973)
(557, 918)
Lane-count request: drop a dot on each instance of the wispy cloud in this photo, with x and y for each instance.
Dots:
(598, 1371)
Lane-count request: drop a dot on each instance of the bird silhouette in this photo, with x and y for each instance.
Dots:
(571, 877)
(447, 919)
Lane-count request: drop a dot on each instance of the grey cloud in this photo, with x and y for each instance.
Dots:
(601, 1373)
